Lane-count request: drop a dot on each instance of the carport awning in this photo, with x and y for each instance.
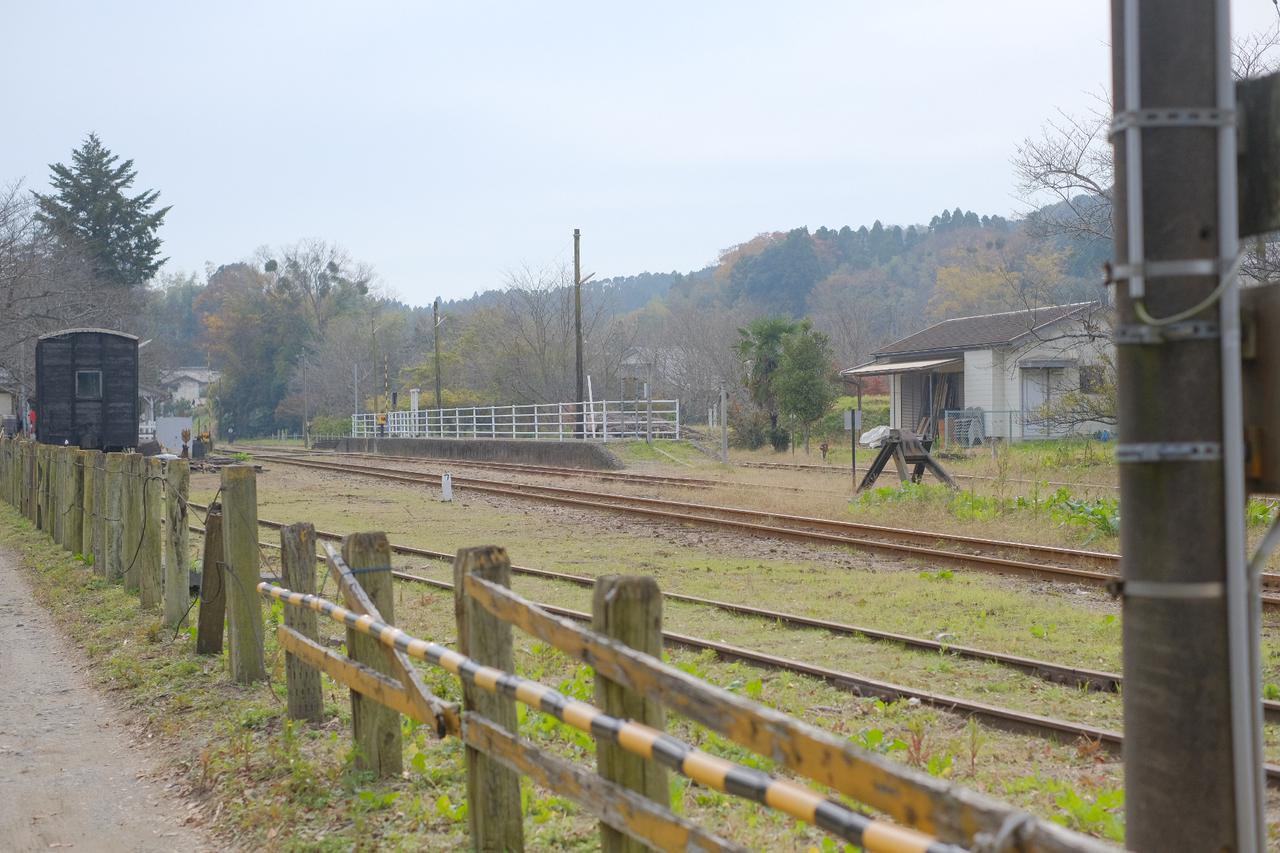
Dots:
(888, 368)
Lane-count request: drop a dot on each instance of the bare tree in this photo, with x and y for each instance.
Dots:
(45, 287)
(1069, 164)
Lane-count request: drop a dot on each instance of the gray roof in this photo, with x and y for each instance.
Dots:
(982, 331)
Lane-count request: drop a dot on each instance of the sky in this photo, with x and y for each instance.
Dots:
(450, 144)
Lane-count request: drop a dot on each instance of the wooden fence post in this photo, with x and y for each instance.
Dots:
(213, 587)
(177, 581)
(88, 511)
(31, 481)
(629, 609)
(42, 487)
(131, 474)
(298, 569)
(150, 574)
(57, 457)
(493, 791)
(75, 518)
(113, 517)
(376, 728)
(99, 511)
(66, 495)
(240, 550)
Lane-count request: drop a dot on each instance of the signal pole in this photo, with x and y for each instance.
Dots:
(435, 333)
(1192, 754)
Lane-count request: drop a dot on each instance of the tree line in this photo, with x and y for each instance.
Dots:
(305, 331)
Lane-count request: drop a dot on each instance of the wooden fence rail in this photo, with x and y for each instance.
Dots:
(129, 517)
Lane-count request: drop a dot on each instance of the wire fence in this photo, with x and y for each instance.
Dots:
(598, 420)
(971, 427)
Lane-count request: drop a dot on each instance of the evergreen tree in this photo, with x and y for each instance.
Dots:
(89, 211)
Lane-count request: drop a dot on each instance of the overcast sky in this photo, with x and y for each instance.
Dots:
(447, 144)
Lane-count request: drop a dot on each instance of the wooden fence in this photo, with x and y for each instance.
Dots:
(101, 506)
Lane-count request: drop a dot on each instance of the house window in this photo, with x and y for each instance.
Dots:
(88, 384)
(1092, 378)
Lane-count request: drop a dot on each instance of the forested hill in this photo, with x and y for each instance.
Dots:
(862, 287)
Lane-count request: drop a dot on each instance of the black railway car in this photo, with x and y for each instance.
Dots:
(87, 389)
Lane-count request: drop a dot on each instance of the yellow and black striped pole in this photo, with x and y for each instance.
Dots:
(875, 836)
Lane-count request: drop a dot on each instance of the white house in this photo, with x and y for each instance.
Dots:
(188, 383)
(992, 375)
(8, 398)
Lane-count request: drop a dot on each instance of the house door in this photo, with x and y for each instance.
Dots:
(1037, 383)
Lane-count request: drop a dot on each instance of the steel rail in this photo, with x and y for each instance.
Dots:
(1003, 718)
(1045, 670)
(835, 469)
(541, 470)
(683, 513)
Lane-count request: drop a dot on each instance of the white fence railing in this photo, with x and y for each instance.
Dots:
(600, 420)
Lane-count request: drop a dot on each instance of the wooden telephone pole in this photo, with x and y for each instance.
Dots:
(1192, 736)
(577, 313)
(435, 333)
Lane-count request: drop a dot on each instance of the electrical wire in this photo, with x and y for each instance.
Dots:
(1228, 275)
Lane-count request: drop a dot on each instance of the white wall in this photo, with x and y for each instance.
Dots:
(8, 406)
(978, 379)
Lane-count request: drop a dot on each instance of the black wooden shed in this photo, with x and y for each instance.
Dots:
(87, 389)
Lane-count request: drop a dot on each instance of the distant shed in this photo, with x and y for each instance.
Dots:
(87, 389)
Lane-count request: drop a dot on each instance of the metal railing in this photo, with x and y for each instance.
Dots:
(599, 420)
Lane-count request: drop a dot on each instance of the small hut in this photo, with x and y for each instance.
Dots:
(87, 389)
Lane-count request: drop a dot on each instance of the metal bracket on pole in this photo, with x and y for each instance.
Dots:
(1143, 334)
(1170, 117)
(1169, 451)
(1167, 269)
(1167, 590)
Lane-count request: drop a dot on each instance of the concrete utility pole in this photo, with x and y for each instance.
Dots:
(435, 331)
(1193, 764)
(577, 311)
(724, 426)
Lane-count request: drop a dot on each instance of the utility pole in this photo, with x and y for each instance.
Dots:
(1192, 754)
(435, 330)
(724, 426)
(577, 311)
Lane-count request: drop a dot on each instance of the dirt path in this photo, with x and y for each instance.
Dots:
(70, 774)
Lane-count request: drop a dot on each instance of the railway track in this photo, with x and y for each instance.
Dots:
(627, 477)
(967, 552)
(835, 469)
(1004, 718)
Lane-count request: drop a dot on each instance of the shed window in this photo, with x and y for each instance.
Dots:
(88, 384)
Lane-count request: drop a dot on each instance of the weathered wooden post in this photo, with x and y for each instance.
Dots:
(113, 516)
(99, 511)
(42, 487)
(240, 550)
(177, 582)
(131, 522)
(75, 515)
(150, 572)
(629, 610)
(88, 509)
(376, 728)
(54, 528)
(493, 791)
(213, 587)
(298, 568)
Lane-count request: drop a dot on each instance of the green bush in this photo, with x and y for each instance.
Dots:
(780, 439)
(330, 425)
(749, 428)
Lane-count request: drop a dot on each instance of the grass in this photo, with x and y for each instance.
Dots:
(265, 782)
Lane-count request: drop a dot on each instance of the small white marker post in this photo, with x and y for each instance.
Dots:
(446, 488)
